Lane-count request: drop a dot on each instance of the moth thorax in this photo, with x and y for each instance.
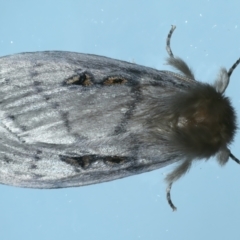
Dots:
(205, 122)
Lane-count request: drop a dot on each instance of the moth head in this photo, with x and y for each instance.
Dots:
(220, 85)
(204, 121)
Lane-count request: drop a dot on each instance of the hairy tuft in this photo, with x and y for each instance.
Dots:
(205, 121)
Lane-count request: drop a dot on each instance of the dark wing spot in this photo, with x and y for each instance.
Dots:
(7, 80)
(55, 105)
(37, 156)
(38, 64)
(37, 83)
(83, 162)
(65, 117)
(114, 80)
(115, 160)
(37, 176)
(23, 128)
(84, 79)
(34, 74)
(6, 159)
(33, 166)
(12, 117)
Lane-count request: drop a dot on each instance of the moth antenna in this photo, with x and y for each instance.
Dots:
(177, 62)
(234, 158)
(233, 67)
(169, 197)
(178, 172)
(168, 47)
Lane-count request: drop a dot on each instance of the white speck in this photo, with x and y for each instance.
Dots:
(214, 26)
(200, 15)
(186, 21)
(11, 42)
(236, 26)
(102, 10)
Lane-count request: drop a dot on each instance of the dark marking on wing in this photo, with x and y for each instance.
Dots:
(84, 162)
(38, 87)
(115, 160)
(38, 64)
(7, 80)
(23, 128)
(136, 91)
(83, 78)
(55, 105)
(37, 83)
(6, 159)
(12, 117)
(37, 176)
(37, 156)
(33, 166)
(114, 80)
(34, 74)
(65, 118)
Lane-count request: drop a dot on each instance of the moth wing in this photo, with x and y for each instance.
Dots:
(61, 118)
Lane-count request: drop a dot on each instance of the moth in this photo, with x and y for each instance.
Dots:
(71, 119)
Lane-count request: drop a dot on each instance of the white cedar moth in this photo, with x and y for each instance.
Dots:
(71, 119)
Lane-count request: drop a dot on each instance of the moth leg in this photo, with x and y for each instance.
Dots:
(178, 172)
